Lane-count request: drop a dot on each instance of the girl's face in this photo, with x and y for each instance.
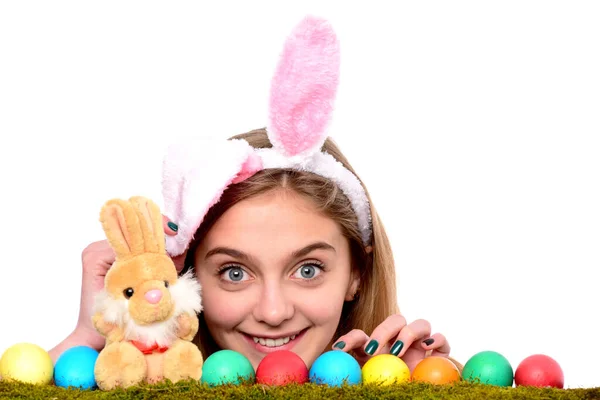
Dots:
(275, 274)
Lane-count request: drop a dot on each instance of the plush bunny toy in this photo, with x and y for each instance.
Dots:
(146, 312)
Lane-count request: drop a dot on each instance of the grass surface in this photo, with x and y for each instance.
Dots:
(192, 390)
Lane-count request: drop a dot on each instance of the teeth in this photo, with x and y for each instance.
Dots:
(273, 342)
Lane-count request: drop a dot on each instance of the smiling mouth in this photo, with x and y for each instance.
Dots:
(275, 343)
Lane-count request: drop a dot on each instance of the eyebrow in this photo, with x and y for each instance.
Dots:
(311, 247)
(243, 256)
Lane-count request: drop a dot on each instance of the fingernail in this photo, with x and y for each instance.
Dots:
(397, 347)
(428, 342)
(340, 345)
(173, 226)
(371, 347)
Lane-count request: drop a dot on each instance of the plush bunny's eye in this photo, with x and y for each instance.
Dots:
(166, 284)
(128, 292)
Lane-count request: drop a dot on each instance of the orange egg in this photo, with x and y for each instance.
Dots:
(436, 370)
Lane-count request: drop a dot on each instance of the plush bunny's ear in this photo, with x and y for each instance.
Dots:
(195, 174)
(151, 224)
(122, 228)
(303, 89)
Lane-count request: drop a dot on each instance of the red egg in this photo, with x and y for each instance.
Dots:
(280, 368)
(541, 371)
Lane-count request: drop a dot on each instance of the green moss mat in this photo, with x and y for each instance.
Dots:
(191, 390)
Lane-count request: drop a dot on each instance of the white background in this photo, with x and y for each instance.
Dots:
(474, 125)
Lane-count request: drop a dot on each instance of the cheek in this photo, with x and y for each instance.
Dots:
(323, 307)
(223, 309)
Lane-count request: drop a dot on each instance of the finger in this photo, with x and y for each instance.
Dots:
(171, 229)
(353, 341)
(97, 258)
(438, 345)
(412, 333)
(179, 262)
(384, 334)
(169, 226)
(350, 341)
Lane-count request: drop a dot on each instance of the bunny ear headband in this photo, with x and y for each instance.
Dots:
(303, 89)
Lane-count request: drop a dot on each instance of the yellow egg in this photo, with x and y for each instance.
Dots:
(28, 363)
(385, 369)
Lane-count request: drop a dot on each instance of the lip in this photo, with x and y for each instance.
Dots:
(265, 349)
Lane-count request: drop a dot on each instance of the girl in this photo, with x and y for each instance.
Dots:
(280, 232)
(334, 293)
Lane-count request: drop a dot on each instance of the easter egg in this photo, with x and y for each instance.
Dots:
(385, 369)
(27, 363)
(541, 371)
(227, 367)
(490, 368)
(436, 370)
(281, 367)
(335, 368)
(75, 368)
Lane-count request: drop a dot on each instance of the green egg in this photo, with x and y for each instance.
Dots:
(490, 368)
(227, 367)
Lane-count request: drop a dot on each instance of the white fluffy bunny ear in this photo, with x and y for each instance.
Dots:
(303, 89)
(195, 174)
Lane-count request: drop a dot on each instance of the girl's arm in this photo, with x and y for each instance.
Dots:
(77, 338)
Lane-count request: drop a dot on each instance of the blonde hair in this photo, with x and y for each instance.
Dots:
(376, 297)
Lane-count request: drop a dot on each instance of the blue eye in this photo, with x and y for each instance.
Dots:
(308, 271)
(236, 274)
(233, 274)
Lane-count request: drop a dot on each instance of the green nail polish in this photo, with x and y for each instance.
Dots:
(172, 226)
(397, 347)
(371, 347)
(340, 345)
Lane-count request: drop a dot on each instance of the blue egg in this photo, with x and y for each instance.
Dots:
(75, 368)
(335, 368)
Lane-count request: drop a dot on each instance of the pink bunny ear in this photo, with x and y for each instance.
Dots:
(195, 174)
(303, 89)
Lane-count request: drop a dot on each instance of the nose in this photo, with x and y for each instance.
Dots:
(153, 296)
(273, 307)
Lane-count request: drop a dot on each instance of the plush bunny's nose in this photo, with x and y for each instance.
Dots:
(153, 296)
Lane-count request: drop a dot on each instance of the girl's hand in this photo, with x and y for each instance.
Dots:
(411, 342)
(96, 259)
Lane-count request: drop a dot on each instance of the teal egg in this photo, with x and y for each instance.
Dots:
(227, 367)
